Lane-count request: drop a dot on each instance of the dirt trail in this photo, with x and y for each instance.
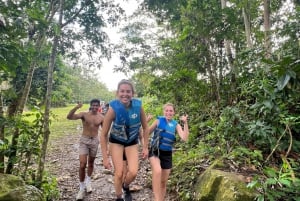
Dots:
(62, 162)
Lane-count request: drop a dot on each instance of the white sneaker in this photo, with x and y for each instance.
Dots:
(80, 195)
(88, 187)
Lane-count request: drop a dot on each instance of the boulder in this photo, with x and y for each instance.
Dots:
(13, 188)
(217, 185)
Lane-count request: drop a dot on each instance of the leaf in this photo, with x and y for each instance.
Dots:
(261, 198)
(282, 82)
(268, 104)
(252, 184)
(271, 181)
(285, 182)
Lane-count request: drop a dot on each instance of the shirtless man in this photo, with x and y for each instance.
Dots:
(88, 143)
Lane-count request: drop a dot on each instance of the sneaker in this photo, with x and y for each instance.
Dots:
(127, 194)
(80, 195)
(88, 187)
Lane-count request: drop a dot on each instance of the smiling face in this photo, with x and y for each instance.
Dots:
(125, 93)
(94, 107)
(168, 111)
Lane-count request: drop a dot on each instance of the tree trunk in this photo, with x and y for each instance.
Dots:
(234, 69)
(247, 28)
(1, 133)
(20, 107)
(212, 73)
(267, 27)
(22, 101)
(46, 123)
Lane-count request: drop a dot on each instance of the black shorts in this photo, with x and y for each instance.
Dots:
(134, 142)
(164, 156)
(125, 144)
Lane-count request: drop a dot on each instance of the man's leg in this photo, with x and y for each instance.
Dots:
(90, 170)
(82, 166)
(90, 165)
(93, 149)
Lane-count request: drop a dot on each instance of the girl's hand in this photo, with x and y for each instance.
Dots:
(149, 117)
(184, 118)
(107, 164)
(145, 153)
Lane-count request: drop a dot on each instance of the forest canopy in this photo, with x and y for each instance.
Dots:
(232, 66)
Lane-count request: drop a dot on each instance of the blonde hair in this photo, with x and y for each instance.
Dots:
(124, 81)
(169, 104)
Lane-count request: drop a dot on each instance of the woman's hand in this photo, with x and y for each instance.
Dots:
(184, 118)
(106, 163)
(145, 153)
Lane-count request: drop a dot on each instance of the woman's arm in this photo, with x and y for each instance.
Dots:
(145, 126)
(108, 119)
(183, 133)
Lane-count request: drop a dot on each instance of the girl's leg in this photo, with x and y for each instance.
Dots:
(124, 170)
(156, 177)
(164, 180)
(116, 151)
(132, 163)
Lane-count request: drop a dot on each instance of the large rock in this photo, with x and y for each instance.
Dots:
(216, 185)
(13, 188)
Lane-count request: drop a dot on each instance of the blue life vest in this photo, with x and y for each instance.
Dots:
(125, 127)
(164, 137)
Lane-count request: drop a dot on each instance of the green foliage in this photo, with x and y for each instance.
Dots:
(249, 157)
(29, 141)
(82, 85)
(60, 124)
(282, 184)
(187, 166)
(50, 187)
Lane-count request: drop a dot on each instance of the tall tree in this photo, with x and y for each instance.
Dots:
(46, 131)
(267, 28)
(42, 28)
(1, 133)
(86, 14)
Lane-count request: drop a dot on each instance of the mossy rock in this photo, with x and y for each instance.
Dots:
(14, 188)
(216, 185)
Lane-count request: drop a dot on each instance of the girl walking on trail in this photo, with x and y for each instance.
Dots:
(123, 120)
(160, 153)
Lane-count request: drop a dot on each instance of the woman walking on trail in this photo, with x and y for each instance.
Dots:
(124, 119)
(160, 153)
(88, 143)
(141, 142)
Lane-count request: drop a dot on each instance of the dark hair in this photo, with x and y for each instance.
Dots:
(124, 81)
(95, 101)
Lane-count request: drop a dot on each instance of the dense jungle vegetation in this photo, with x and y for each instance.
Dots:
(232, 65)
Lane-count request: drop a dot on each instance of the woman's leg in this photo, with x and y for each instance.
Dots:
(116, 151)
(132, 157)
(156, 177)
(124, 170)
(164, 180)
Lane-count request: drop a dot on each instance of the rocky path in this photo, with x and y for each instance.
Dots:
(62, 162)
